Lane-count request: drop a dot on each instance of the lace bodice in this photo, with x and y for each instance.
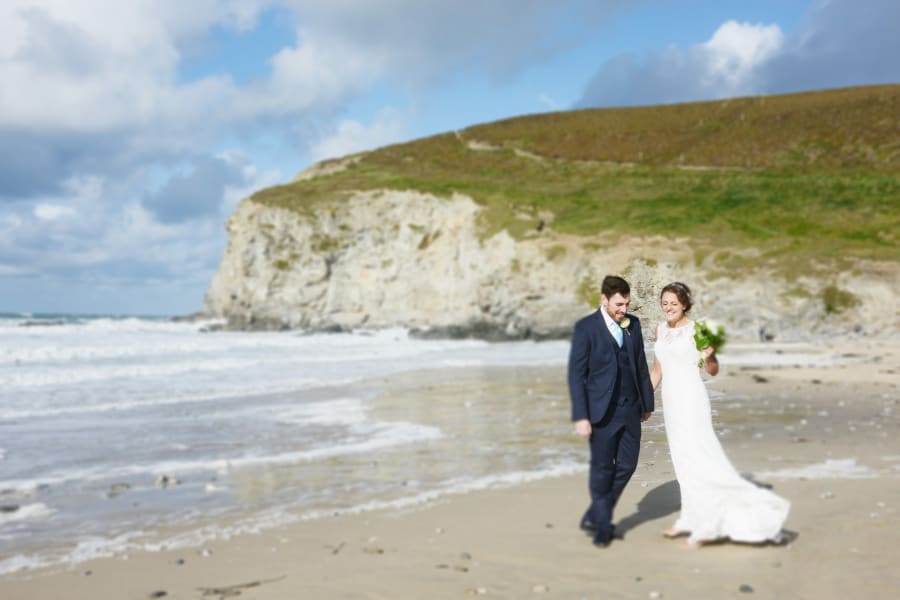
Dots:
(675, 346)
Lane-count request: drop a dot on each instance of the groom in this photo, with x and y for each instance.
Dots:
(609, 384)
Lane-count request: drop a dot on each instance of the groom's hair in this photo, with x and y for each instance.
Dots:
(613, 284)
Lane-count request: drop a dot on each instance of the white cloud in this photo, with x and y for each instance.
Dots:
(351, 136)
(737, 49)
(52, 212)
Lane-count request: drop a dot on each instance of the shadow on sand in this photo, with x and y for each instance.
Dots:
(661, 501)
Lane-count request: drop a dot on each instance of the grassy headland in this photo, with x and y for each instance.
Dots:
(803, 180)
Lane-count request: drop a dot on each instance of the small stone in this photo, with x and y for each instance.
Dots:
(373, 550)
(206, 552)
(158, 594)
(826, 495)
(88, 573)
(639, 579)
(548, 525)
(654, 595)
(465, 556)
(481, 591)
(180, 561)
(442, 566)
(460, 569)
(540, 589)
(746, 589)
(439, 530)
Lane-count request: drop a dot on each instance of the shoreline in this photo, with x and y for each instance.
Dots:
(824, 437)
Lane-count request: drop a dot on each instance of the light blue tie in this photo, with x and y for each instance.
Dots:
(617, 333)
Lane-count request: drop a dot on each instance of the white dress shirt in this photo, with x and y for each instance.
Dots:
(613, 327)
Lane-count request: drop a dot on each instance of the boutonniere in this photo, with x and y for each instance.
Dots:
(624, 324)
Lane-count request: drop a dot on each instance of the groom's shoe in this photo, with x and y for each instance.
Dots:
(602, 539)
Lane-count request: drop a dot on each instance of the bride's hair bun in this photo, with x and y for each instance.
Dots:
(682, 292)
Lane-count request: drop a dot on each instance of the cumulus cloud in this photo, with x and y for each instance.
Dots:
(839, 43)
(726, 65)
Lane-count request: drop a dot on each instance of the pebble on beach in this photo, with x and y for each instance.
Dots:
(746, 589)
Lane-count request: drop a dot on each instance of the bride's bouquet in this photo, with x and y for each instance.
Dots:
(708, 333)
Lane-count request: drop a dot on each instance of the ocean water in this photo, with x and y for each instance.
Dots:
(137, 433)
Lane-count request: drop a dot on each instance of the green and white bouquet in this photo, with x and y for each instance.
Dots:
(708, 333)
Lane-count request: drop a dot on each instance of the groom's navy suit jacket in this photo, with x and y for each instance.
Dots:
(593, 366)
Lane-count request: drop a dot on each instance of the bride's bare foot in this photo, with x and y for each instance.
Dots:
(694, 545)
(672, 533)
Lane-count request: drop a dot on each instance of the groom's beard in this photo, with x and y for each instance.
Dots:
(612, 314)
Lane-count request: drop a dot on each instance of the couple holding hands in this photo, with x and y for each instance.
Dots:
(611, 388)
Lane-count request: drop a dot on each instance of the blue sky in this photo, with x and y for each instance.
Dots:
(130, 130)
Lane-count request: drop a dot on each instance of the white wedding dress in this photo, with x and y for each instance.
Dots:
(716, 502)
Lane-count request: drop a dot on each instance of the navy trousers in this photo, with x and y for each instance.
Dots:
(615, 444)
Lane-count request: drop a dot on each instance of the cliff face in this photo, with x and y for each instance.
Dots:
(390, 258)
(384, 259)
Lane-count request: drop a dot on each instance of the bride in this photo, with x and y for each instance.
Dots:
(716, 502)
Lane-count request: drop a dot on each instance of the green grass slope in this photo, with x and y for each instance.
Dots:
(803, 179)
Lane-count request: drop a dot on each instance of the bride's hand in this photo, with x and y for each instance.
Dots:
(710, 362)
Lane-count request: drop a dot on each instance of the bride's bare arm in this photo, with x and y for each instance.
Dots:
(655, 373)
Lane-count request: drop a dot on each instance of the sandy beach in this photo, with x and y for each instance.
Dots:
(825, 437)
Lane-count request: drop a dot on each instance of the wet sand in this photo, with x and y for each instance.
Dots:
(826, 438)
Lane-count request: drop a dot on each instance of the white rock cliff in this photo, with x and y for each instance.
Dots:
(388, 258)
